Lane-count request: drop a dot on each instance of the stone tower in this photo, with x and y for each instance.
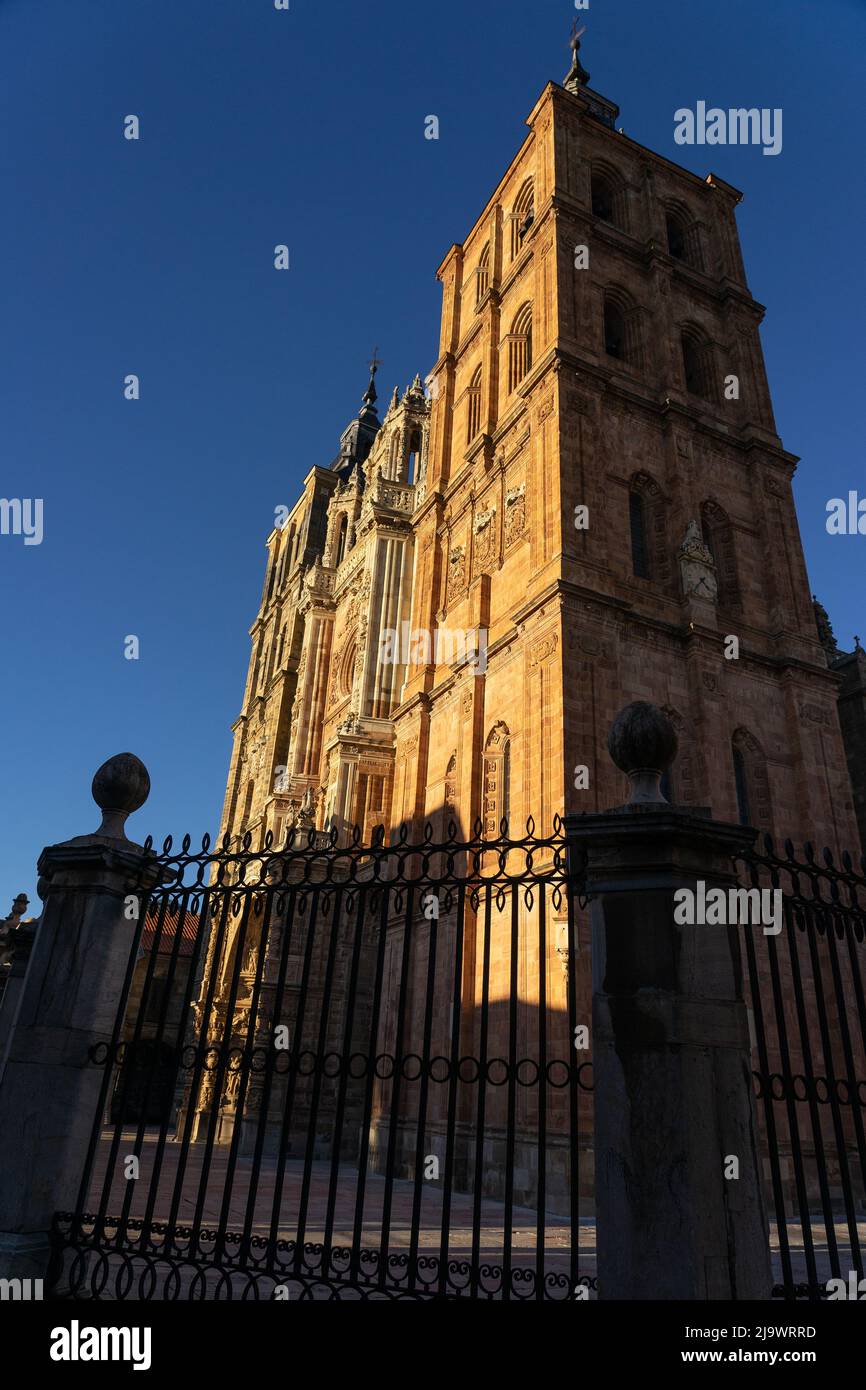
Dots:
(595, 483)
(608, 497)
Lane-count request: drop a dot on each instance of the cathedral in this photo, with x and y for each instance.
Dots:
(584, 503)
(590, 486)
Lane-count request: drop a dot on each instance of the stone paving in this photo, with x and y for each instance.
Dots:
(232, 1210)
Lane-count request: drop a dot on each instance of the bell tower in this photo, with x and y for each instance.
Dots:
(608, 498)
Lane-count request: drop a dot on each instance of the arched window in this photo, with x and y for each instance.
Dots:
(520, 348)
(474, 413)
(695, 364)
(751, 781)
(341, 540)
(602, 197)
(640, 562)
(718, 537)
(621, 325)
(482, 279)
(522, 217)
(676, 236)
(451, 782)
(347, 669)
(608, 196)
(614, 330)
(414, 460)
(683, 237)
(449, 809)
(647, 514)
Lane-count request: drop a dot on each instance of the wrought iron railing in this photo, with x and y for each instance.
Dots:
(806, 994)
(364, 1072)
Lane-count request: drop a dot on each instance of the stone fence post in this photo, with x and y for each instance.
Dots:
(671, 1054)
(68, 1001)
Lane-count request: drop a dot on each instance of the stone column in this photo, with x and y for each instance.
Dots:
(49, 1087)
(671, 1053)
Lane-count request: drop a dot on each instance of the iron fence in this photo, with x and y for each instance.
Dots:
(348, 1071)
(804, 986)
(344, 1072)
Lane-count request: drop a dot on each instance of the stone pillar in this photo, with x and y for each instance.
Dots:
(49, 1087)
(671, 1054)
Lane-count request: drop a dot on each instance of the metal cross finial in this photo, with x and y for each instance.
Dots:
(376, 362)
(576, 34)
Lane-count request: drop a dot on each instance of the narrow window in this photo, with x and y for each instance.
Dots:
(676, 237)
(483, 276)
(520, 348)
(506, 784)
(341, 540)
(522, 218)
(474, 420)
(414, 460)
(639, 550)
(693, 365)
(614, 330)
(741, 784)
(602, 198)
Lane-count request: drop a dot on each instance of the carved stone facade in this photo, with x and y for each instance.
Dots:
(458, 513)
(316, 728)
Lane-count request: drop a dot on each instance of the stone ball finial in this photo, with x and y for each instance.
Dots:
(643, 743)
(119, 787)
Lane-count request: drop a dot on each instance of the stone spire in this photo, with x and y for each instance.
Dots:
(578, 76)
(357, 439)
(371, 395)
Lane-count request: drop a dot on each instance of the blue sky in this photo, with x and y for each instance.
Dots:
(156, 257)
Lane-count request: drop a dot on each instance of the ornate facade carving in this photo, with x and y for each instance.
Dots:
(515, 513)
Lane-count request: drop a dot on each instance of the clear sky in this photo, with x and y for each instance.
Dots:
(155, 257)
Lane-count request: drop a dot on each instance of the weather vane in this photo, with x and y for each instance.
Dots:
(376, 362)
(576, 34)
(578, 76)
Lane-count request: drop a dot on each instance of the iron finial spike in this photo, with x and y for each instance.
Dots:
(578, 76)
(370, 395)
